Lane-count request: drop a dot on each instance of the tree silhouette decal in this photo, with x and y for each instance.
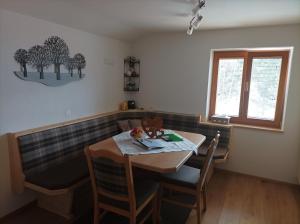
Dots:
(58, 53)
(22, 57)
(39, 58)
(70, 65)
(80, 63)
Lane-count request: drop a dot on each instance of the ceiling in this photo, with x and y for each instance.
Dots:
(130, 19)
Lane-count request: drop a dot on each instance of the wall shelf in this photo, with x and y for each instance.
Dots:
(131, 74)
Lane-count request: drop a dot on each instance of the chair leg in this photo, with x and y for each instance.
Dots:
(96, 215)
(159, 201)
(199, 210)
(170, 193)
(133, 220)
(204, 192)
(154, 210)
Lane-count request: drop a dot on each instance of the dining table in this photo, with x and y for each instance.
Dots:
(165, 162)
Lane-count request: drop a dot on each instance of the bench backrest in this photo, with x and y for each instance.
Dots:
(40, 150)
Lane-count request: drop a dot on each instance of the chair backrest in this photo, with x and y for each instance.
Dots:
(208, 160)
(111, 176)
(152, 126)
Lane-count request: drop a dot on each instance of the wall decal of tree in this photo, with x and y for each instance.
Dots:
(39, 58)
(21, 56)
(58, 53)
(70, 65)
(80, 63)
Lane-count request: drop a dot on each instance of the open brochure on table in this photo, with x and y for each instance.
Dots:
(150, 143)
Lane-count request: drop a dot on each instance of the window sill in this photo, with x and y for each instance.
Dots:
(216, 124)
(278, 130)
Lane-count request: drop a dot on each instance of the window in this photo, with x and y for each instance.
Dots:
(249, 86)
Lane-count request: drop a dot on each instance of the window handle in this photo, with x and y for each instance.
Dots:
(247, 86)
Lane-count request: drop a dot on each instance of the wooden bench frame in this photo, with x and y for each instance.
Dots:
(56, 201)
(17, 175)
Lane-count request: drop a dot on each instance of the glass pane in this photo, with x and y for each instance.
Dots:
(264, 83)
(229, 86)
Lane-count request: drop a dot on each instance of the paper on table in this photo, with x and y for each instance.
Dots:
(127, 145)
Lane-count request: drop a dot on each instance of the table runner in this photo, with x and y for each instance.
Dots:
(128, 146)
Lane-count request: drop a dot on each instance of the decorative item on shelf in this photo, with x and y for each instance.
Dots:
(131, 74)
(200, 119)
(221, 119)
(124, 106)
(55, 52)
(131, 104)
(153, 127)
(136, 133)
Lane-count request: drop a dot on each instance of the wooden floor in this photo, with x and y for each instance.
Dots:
(232, 199)
(240, 199)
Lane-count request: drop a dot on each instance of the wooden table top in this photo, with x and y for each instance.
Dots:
(166, 162)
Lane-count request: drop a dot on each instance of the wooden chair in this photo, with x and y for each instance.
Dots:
(114, 189)
(189, 180)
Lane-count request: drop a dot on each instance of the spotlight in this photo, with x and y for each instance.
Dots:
(198, 6)
(195, 22)
(190, 30)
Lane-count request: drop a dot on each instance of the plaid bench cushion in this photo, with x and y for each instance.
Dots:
(128, 115)
(179, 122)
(61, 175)
(210, 130)
(43, 149)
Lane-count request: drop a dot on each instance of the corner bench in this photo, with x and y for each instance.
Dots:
(50, 160)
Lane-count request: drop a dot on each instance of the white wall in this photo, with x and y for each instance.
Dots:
(174, 77)
(26, 105)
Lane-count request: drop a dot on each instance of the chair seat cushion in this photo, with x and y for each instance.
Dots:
(187, 177)
(61, 175)
(143, 189)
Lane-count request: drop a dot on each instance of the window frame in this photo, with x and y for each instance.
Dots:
(248, 56)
